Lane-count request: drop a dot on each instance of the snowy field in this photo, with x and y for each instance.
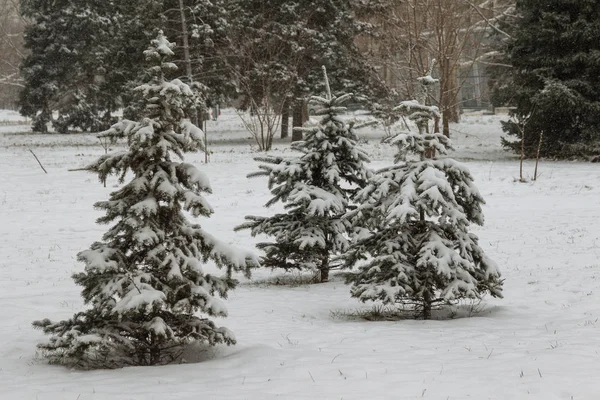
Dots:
(306, 341)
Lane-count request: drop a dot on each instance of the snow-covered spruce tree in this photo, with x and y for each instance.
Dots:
(414, 219)
(145, 280)
(316, 189)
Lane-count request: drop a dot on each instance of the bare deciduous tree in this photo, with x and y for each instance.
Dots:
(11, 51)
(264, 82)
(411, 33)
(262, 120)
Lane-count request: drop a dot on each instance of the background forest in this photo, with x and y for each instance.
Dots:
(71, 66)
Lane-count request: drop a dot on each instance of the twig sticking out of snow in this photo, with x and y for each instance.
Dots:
(38, 160)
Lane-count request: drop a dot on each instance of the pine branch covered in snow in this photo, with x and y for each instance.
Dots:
(145, 282)
(414, 245)
(316, 188)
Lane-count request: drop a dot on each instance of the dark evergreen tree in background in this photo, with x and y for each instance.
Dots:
(145, 281)
(297, 37)
(316, 188)
(84, 56)
(67, 43)
(553, 83)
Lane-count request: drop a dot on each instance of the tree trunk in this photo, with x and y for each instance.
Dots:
(448, 95)
(154, 356)
(324, 269)
(436, 129)
(285, 118)
(305, 116)
(446, 122)
(41, 122)
(186, 46)
(452, 96)
(426, 313)
(153, 350)
(297, 120)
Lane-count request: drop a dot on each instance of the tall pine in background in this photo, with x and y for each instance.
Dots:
(199, 28)
(72, 66)
(145, 281)
(414, 246)
(84, 58)
(316, 188)
(290, 40)
(555, 58)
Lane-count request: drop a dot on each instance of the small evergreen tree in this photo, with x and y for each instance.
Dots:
(145, 280)
(413, 220)
(316, 189)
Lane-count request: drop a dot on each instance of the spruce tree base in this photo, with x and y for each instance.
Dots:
(324, 274)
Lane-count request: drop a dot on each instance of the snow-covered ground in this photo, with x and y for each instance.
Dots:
(12, 117)
(542, 341)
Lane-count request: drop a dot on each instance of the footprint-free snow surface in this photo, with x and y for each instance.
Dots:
(542, 341)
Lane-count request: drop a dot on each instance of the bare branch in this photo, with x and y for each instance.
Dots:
(38, 160)
(487, 20)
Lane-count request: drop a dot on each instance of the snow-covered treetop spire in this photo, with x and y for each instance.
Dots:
(157, 53)
(426, 82)
(327, 87)
(422, 144)
(168, 107)
(160, 45)
(330, 107)
(428, 79)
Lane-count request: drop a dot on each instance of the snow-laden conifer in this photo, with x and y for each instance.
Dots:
(316, 188)
(145, 281)
(414, 218)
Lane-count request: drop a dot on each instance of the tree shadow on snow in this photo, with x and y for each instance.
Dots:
(379, 312)
(296, 279)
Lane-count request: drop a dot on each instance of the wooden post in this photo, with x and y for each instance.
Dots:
(537, 156)
(205, 144)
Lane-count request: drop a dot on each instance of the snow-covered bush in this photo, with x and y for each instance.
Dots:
(414, 218)
(316, 188)
(144, 282)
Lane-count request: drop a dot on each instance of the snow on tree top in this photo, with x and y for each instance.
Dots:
(163, 46)
(427, 80)
(414, 106)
